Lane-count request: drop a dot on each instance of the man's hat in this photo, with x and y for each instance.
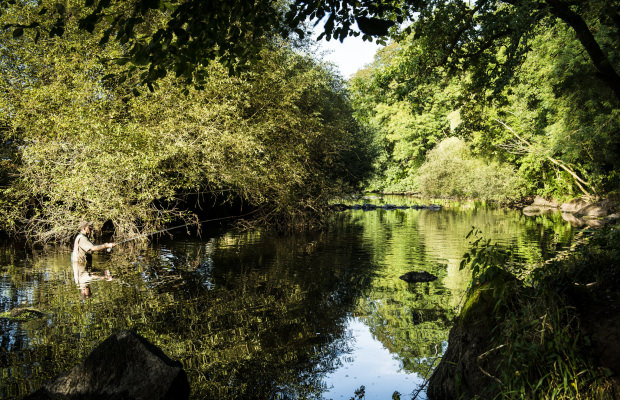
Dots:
(85, 224)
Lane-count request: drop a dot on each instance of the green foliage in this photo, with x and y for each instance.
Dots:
(489, 38)
(280, 137)
(540, 346)
(556, 109)
(450, 169)
(483, 258)
(552, 119)
(405, 127)
(162, 37)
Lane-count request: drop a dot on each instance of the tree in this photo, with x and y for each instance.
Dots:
(281, 137)
(488, 36)
(461, 33)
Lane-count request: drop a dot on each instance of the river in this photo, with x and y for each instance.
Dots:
(256, 315)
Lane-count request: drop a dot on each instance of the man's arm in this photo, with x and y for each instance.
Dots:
(88, 246)
(103, 246)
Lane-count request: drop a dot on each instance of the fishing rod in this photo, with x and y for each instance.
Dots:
(182, 226)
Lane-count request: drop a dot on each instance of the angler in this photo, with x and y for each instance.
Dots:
(81, 257)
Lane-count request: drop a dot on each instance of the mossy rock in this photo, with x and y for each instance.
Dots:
(459, 374)
(495, 286)
(22, 314)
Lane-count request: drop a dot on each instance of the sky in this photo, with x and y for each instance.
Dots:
(351, 55)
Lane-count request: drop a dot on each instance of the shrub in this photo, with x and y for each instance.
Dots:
(450, 169)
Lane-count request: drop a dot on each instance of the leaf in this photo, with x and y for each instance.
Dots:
(374, 26)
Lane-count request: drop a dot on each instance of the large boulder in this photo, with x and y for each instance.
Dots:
(574, 205)
(540, 206)
(599, 209)
(469, 367)
(124, 366)
(542, 202)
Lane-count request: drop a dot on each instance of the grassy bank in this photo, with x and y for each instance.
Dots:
(549, 331)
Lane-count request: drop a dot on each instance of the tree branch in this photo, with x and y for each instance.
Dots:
(561, 164)
(467, 23)
(601, 62)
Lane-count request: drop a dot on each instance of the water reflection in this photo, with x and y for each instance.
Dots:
(256, 315)
(370, 365)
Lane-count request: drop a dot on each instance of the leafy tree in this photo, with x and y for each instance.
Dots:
(489, 36)
(281, 137)
(556, 122)
(552, 117)
(451, 170)
(407, 122)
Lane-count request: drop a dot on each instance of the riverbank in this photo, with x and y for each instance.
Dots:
(552, 333)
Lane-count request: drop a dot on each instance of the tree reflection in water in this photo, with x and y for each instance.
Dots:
(251, 315)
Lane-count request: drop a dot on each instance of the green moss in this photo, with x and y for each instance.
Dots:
(22, 314)
(477, 305)
(494, 288)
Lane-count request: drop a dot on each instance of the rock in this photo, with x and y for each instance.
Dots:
(599, 209)
(22, 314)
(540, 206)
(460, 372)
(418, 276)
(573, 205)
(596, 223)
(542, 202)
(613, 217)
(537, 210)
(124, 366)
(339, 207)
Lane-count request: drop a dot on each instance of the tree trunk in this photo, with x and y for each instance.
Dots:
(606, 70)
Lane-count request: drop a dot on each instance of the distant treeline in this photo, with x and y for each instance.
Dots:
(537, 121)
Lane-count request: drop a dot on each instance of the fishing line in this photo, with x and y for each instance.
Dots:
(181, 226)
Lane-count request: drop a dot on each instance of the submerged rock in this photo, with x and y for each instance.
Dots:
(340, 207)
(418, 276)
(124, 366)
(372, 207)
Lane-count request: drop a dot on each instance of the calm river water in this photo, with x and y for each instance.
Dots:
(255, 315)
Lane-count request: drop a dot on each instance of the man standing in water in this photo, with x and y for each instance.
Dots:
(80, 257)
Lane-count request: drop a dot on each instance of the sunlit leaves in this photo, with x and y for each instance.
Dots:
(99, 145)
